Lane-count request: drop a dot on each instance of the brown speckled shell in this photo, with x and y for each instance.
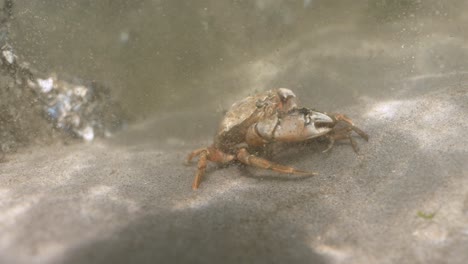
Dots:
(243, 114)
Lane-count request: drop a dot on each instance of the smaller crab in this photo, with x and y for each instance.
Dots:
(265, 118)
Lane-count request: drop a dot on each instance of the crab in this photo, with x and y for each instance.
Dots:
(265, 118)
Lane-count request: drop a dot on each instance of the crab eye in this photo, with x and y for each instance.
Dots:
(284, 100)
(285, 94)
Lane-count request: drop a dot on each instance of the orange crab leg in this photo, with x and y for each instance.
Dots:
(193, 154)
(245, 157)
(342, 117)
(205, 155)
(360, 132)
(345, 133)
(201, 168)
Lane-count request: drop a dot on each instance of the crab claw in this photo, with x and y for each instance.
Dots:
(297, 125)
(320, 118)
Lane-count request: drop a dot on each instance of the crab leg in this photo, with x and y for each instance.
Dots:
(345, 133)
(360, 132)
(205, 155)
(245, 157)
(344, 118)
(193, 154)
(201, 167)
(330, 145)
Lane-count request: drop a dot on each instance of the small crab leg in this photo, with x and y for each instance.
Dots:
(201, 167)
(330, 145)
(344, 118)
(249, 159)
(360, 132)
(207, 154)
(193, 154)
(341, 134)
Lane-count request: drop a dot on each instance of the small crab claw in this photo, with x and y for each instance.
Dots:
(298, 125)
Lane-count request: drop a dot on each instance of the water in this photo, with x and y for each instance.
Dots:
(397, 67)
(168, 55)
